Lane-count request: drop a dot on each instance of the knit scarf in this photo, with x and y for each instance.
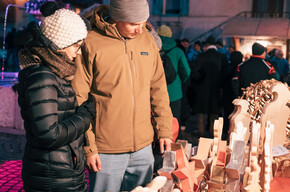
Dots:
(58, 62)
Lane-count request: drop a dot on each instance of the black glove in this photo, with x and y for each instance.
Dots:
(88, 110)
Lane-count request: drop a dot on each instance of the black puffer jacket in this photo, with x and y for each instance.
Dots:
(253, 70)
(54, 155)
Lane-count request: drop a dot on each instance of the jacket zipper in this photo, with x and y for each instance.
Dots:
(133, 64)
(132, 84)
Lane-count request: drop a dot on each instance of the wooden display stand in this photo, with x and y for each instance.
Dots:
(277, 112)
(258, 123)
(240, 114)
(251, 180)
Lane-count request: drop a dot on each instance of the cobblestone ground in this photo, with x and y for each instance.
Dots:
(11, 146)
(11, 152)
(10, 176)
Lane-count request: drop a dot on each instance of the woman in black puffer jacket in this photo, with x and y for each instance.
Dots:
(54, 153)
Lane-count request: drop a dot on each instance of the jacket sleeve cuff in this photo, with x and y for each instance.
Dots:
(91, 150)
(165, 134)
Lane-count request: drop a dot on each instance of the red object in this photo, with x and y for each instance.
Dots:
(221, 154)
(175, 129)
(280, 184)
(185, 172)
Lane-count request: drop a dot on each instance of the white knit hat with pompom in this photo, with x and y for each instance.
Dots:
(64, 28)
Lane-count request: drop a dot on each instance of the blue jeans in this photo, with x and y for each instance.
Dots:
(123, 172)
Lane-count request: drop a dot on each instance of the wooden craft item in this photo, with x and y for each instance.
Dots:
(277, 112)
(169, 162)
(204, 148)
(185, 171)
(233, 185)
(219, 158)
(217, 179)
(168, 186)
(240, 114)
(175, 146)
(282, 165)
(180, 161)
(239, 134)
(246, 178)
(216, 187)
(189, 151)
(221, 155)
(218, 129)
(156, 184)
(176, 190)
(186, 147)
(183, 143)
(187, 177)
(233, 169)
(268, 156)
(218, 175)
(251, 180)
(255, 139)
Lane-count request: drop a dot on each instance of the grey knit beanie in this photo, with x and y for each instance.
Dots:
(130, 11)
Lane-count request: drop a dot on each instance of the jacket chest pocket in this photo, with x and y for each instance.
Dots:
(142, 62)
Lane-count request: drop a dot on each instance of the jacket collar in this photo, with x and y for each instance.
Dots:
(99, 23)
(258, 56)
(211, 47)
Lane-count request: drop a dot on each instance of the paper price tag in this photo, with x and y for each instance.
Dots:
(279, 150)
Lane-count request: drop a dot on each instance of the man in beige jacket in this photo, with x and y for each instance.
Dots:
(121, 67)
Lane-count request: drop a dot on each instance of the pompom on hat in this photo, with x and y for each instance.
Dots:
(62, 26)
(258, 49)
(130, 11)
(164, 31)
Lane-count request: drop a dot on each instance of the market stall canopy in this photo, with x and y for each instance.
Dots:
(266, 27)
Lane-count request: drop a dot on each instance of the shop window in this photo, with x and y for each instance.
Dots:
(268, 8)
(170, 7)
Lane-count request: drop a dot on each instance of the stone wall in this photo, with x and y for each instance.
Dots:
(9, 110)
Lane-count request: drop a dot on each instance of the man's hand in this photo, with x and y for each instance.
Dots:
(165, 141)
(94, 163)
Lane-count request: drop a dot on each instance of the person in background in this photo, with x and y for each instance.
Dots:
(193, 52)
(281, 63)
(185, 45)
(180, 64)
(187, 87)
(231, 49)
(208, 77)
(121, 66)
(252, 70)
(222, 49)
(236, 57)
(54, 152)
